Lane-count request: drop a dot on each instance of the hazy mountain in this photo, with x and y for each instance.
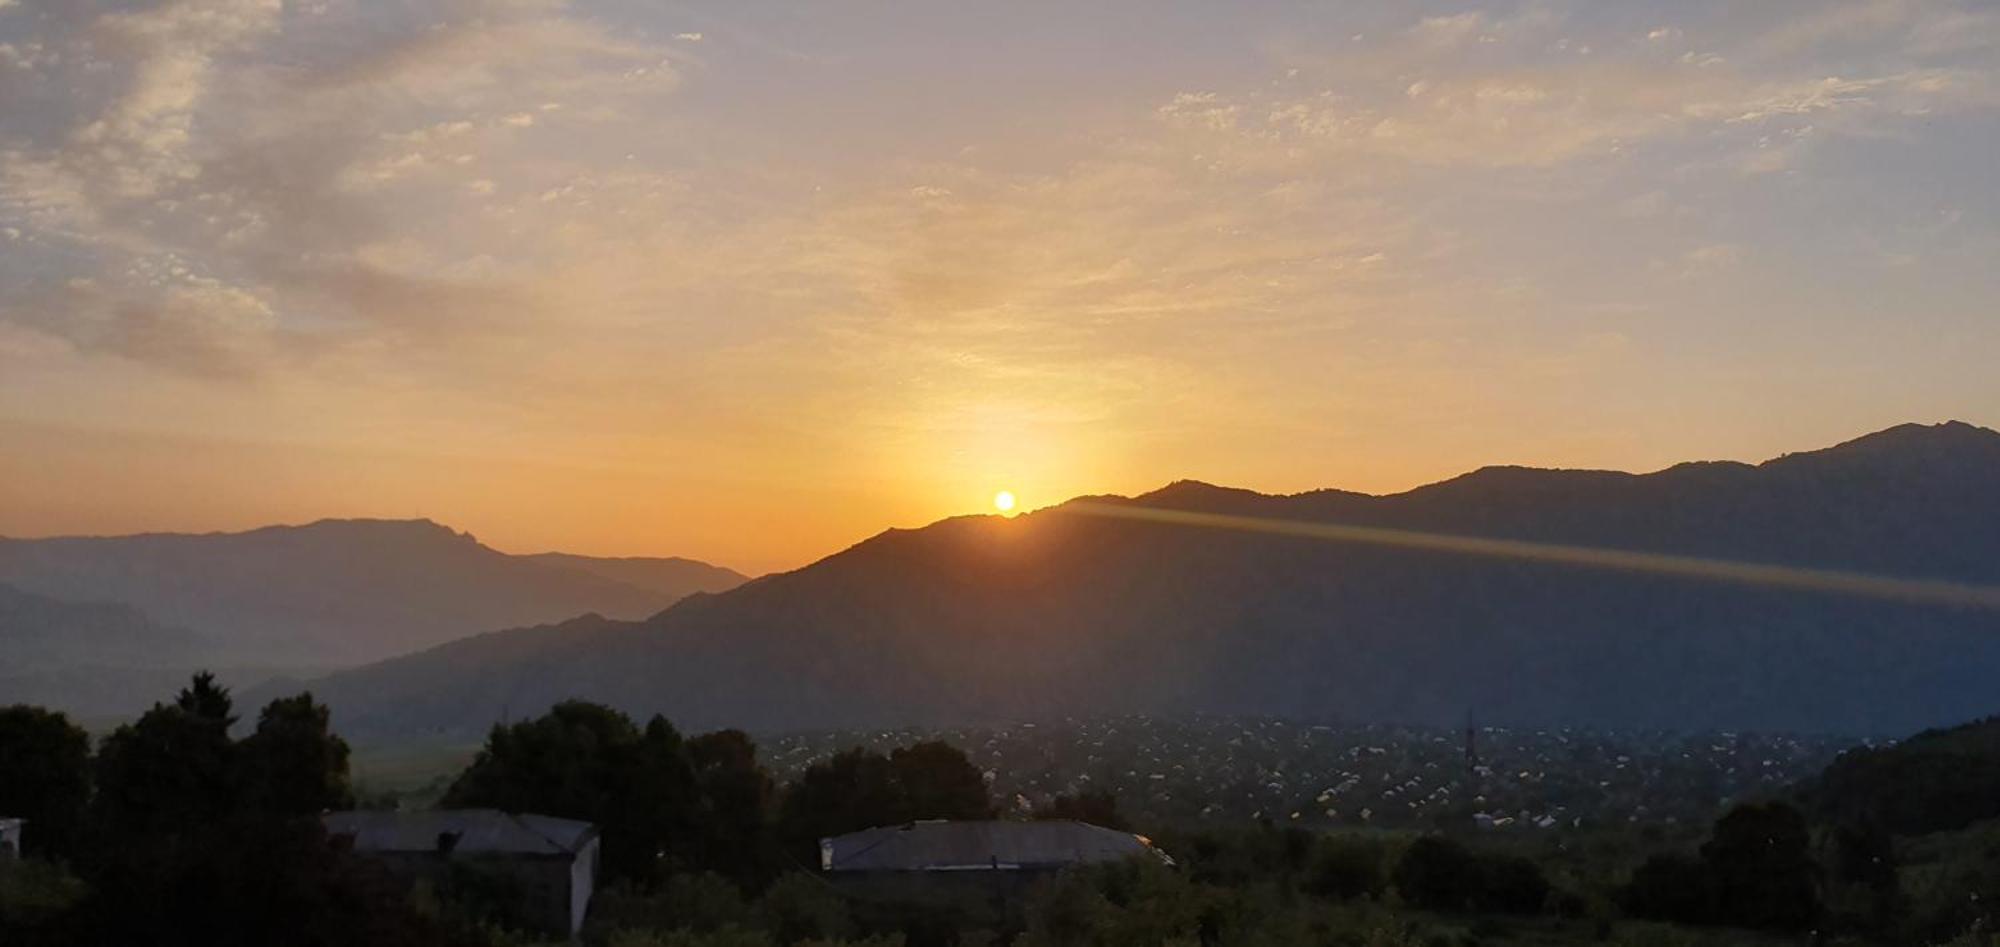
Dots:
(96, 659)
(339, 591)
(1060, 612)
(673, 577)
(39, 633)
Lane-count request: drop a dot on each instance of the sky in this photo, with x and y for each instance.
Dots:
(750, 281)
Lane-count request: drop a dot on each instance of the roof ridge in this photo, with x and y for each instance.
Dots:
(538, 833)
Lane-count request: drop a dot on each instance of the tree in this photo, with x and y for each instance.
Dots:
(1097, 808)
(251, 878)
(1864, 890)
(205, 699)
(172, 770)
(44, 776)
(860, 789)
(854, 790)
(1672, 887)
(1760, 860)
(936, 781)
(1438, 874)
(734, 832)
(1756, 870)
(1442, 875)
(1346, 867)
(587, 761)
(294, 764)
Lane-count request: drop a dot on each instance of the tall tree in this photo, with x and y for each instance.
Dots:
(937, 782)
(860, 789)
(587, 761)
(294, 764)
(171, 771)
(854, 790)
(737, 797)
(205, 699)
(1760, 857)
(44, 776)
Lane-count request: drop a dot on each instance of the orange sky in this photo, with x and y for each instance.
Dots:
(749, 283)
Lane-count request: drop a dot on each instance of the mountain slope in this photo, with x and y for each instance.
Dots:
(672, 577)
(335, 591)
(1067, 612)
(1938, 780)
(38, 633)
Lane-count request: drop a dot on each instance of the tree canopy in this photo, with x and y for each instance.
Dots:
(46, 762)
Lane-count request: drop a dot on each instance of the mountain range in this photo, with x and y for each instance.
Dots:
(88, 622)
(1068, 611)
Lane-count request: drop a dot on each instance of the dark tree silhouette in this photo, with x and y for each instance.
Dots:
(1346, 867)
(172, 769)
(587, 761)
(936, 781)
(1760, 857)
(293, 764)
(44, 777)
(205, 699)
(1672, 887)
(1096, 808)
(737, 798)
(1444, 875)
(854, 790)
(1438, 874)
(1756, 870)
(1862, 884)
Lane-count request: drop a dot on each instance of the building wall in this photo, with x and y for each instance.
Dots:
(582, 884)
(530, 891)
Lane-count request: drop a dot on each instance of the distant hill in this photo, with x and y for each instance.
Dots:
(341, 591)
(671, 577)
(1938, 780)
(1057, 612)
(94, 659)
(39, 633)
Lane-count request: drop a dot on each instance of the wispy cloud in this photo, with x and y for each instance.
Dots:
(545, 225)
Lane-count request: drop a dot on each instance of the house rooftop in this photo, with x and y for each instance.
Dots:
(972, 846)
(466, 831)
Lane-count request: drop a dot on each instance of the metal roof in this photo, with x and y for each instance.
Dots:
(969, 846)
(475, 831)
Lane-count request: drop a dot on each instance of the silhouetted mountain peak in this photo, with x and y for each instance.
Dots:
(983, 617)
(1950, 447)
(396, 530)
(1197, 494)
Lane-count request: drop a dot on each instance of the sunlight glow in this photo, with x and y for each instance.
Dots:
(1832, 581)
(1004, 501)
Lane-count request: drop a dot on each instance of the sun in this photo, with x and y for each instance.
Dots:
(1004, 501)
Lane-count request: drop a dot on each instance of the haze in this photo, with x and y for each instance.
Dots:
(724, 280)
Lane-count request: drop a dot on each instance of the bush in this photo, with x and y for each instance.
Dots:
(800, 907)
(1345, 868)
(1439, 874)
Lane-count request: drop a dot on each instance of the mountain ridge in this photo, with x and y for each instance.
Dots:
(1052, 612)
(343, 591)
